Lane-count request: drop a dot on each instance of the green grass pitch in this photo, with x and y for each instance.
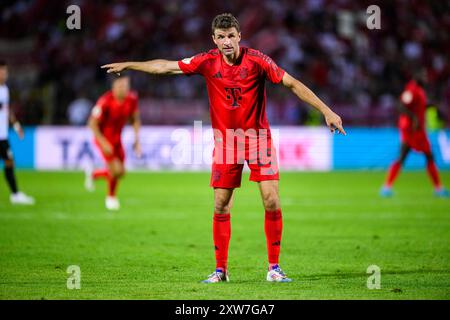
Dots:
(159, 246)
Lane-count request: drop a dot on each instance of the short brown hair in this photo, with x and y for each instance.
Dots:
(225, 21)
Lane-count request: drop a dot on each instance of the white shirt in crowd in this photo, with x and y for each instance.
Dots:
(4, 111)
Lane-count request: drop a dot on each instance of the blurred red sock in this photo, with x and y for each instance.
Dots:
(434, 175)
(112, 186)
(393, 173)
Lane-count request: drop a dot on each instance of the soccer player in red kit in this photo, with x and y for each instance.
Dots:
(108, 117)
(413, 134)
(235, 79)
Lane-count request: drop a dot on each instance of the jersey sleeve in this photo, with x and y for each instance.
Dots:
(100, 108)
(194, 65)
(271, 70)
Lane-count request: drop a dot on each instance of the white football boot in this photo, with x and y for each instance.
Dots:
(277, 275)
(88, 180)
(217, 276)
(112, 203)
(21, 198)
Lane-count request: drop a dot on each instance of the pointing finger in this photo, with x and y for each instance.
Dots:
(341, 130)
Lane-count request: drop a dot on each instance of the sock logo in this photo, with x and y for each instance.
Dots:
(276, 243)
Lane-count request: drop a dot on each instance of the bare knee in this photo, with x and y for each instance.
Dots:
(117, 172)
(222, 205)
(271, 202)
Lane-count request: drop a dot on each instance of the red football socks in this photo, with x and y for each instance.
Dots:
(112, 186)
(393, 173)
(221, 235)
(273, 227)
(434, 175)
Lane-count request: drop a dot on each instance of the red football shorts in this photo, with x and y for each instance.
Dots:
(416, 140)
(229, 176)
(118, 152)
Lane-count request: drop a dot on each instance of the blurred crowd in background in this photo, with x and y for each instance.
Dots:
(55, 75)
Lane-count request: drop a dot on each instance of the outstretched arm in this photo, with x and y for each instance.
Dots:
(304, 93)
(16, 124)
(136, 122)
(157, 66)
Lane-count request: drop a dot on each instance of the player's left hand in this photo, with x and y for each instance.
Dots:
(334, 122)
(137, 149)
(115, 67)
(19, 130)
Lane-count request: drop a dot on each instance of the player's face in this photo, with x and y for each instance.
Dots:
(227, 41)
(3, 74)
(121, 87)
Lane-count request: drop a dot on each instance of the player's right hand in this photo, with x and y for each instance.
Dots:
(107, 148)
(115, 67)
(137, 149)
(334, 122)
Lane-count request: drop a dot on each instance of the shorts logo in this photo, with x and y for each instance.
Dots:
(216, 175)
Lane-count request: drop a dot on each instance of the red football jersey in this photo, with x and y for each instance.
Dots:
(237, 94)
(113, 115)
(415, 99)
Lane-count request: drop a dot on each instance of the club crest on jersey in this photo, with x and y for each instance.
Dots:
(243, 73)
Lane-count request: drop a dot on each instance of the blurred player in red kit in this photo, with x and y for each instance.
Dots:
(111, 113)
(235, 80)
(413, 134)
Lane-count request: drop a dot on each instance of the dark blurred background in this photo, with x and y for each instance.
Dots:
(55, 76)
